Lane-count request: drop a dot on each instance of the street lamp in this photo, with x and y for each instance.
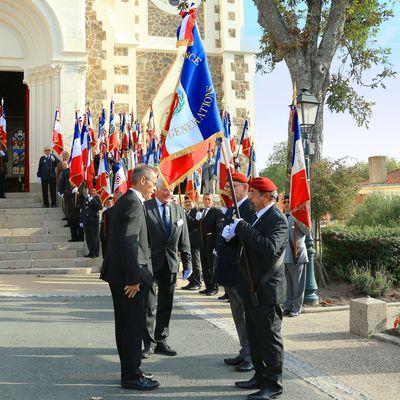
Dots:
(308, 105)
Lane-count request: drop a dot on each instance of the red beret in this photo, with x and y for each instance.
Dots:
(263, 184)
(238, 177)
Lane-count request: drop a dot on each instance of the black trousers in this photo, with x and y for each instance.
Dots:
(195, 278)
(159, 302)
(208, 268)
(263, 324)
(76, 230)
(46, 183)
(2, 184)
(92, 231)
(129, 315)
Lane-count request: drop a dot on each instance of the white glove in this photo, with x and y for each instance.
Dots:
(235, 222)
(90, 198)
(224, 210)
(215, 252)
(40, 180)
(228, 233)
(81, 224)
(2, 152)
(199, 214)
(74, 190)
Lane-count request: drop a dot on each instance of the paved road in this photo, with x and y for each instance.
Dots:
(62, 348)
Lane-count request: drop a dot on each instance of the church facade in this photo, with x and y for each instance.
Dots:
(56, 53)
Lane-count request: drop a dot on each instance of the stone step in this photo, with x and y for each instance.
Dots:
(78, 262)
(24, 195)
(34, 231)
(21, 203)
(47, 271)
(41, 254)
(31, 223)
(28, 218)
(36, 238)
(16, 247)
(9, 212)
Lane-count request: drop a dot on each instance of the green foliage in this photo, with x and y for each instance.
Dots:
(334, 188)
(378, 209)
(365, 282)
(379, 246)
(277, 166)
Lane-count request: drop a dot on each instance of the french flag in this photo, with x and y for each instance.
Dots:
(90, 128)
(85, 143)
(124, 133)
(103, 181)
(57, 136)
(120, 182)
(245, 140)
(3, 125)
(89, 166)
(299, 188)
(112, 131)
(193, 185)
(185, 30)
(131, 165)
(221, 172)
(252, 168)
(76, 176)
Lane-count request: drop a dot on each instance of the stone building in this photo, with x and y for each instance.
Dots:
(66, 53)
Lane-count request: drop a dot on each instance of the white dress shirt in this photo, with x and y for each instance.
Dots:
(138, 194)
(161, 209)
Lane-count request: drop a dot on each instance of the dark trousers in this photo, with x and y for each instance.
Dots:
(159, 306)
(129, 315)
(103, 246)
(2, 184)
(263, 325)
(92, 230)
(195, 278)
(76, 230)
(208, 268)
(46, 182)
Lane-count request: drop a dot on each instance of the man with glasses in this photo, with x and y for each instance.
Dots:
(47, 175)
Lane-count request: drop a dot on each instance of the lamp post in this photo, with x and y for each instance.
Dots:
(309, 106)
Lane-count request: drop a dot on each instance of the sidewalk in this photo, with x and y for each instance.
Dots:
(322, 359)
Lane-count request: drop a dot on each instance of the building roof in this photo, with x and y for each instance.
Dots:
(393, 178)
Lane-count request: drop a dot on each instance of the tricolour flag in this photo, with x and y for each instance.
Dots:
(103, 139)
(3, 125)
(103, 181)
(85, 143)
(57, 135)
(124, 133)
(245, 140)
(131, 165)
(193, 185)
(185, 30)
(120, 181)
(252, 168)
(76, 175)
(112, 131)
(193, 122)
(89, 166)
(299, 188)
(90, 128)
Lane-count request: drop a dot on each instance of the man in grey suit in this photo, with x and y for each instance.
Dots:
(127, 269)
(169, 235)
(295, 259)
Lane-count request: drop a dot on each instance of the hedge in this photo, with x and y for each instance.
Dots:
(380, 246)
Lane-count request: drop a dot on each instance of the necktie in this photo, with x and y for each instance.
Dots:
(166, 220)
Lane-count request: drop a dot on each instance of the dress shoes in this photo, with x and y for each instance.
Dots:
(191, 287)
(64, 219)
(73, 240)
(204, 291)
(141, 383)
(224, 297)
(250, 384)
(147, 352)
(285, 313)
(66, 225)
(212, 293)
(233, 361)
(245, 366)
(164, 349)
(294, 314)
(265, 394)
(145, 374)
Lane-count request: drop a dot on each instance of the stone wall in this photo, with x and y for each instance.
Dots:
(161, 23)
(215, 64)
(239, 84)
(95, 36)
(151, 70)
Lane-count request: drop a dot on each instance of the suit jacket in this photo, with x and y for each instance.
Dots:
(64, 180)
(265, 242)
(302, 256)
(210, 227)
(127, 258)
(3, 163)
(164, 247)
(228, 252)
(105, 223)
(91, 209)
(47, 167)
(193, 227)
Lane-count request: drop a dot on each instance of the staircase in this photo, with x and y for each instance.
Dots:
(33, 239)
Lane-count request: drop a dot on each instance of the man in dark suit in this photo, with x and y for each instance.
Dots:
(91, 224)
(194, 237)
(3, 170)
(47, 174)
(169, 235)
(127, 269)
(228, 270)
(265, 242)
(73, 203)
(209, 220)
(105, 223)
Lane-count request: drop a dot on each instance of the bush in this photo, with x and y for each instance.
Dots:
(369, 284)
(378, 246)
(377, 209)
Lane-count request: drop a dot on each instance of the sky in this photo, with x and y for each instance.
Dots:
(342, 136)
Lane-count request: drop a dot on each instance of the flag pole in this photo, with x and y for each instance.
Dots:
(246, 258)
(180, 194)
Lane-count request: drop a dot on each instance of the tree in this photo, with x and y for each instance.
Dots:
(308, 34)
(276, 168)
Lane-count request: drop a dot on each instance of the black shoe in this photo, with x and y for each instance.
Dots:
(224, 297)
(93, 256)
(250, 384)
(233, 361)
(204, 291)
(265, 394)
(245, 366)
(141, 383)
(67, 226)
(88, 255)
(147, 352)
(212, 293)
(285, 313)
(191, 287)
(3, 197)
(54, 205)
(164, 349)
(73, 240)
(46, 206)
(64, 219)
(144, 374)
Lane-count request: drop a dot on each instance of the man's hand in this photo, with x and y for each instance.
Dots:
(199, 214)
(228, 233)
(186, 273)
(131, 290)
